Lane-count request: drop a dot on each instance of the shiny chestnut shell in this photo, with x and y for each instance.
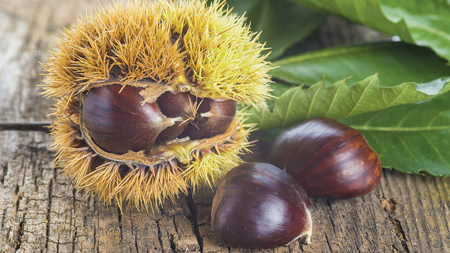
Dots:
(118, 122)
(213, 118)
(178, 105)
(328, 158)
(257, 205)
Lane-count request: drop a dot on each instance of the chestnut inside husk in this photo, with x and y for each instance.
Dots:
(117, 119)
(145, 98)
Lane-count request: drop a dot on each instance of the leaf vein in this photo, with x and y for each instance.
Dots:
(372, 118)
(400, 122)
(332, 101)
(312, 101)
(434, 119)
(395, 99)
(289, 106)
(360, 97)
(436, 149)
(407, 149)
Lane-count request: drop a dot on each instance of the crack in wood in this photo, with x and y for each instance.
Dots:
(95, 238)
(159, 235)
(394, 247)
(37, 159)
(119, 220)
(3, 174)
(399, 232)
(172, 243)
(390, 205)
(72, 223)
(19, 197)
(20, 232)
(195, 226)
(57, 244)
(172, 236)
(97, 226)
(75, 234)
(50, 190)
(3, 219)
(330, 216)
(328, 243)
(136, 243)
(175, 224)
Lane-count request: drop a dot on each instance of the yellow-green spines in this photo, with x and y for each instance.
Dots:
(162, 41)
(183, 45)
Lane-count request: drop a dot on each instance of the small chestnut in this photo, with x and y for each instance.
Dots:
(213, 118)
(257, 205)
(328, 158)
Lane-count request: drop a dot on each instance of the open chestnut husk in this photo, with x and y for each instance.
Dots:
(145, 98)
(328, 158)
(257, 205)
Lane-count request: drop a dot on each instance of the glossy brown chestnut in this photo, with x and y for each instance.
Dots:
(181, 106)
(117, 121)
(257, 205)
(213, 118)
(328, 158)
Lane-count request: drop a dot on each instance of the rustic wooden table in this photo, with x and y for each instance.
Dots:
(41, 212)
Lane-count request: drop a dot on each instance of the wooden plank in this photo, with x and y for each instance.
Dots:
(41, 212)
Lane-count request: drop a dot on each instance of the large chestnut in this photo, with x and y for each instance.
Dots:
(328, 158)
(117, 122)
(257, 205)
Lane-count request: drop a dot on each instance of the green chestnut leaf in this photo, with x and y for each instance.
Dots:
(424, 23)
(340, 101)
(412, 138)
(282, 22)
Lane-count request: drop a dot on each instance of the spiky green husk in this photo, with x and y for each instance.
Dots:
(219, 54)
(186, 45)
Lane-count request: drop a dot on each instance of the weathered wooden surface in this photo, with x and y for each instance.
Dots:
(41, 212)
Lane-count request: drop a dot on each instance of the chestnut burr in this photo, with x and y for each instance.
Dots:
(151, 88)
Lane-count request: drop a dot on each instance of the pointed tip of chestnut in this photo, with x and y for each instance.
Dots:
(329, 159)
(257, 205)
(180, 106)
(214, 117)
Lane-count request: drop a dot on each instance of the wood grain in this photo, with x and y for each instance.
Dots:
(40, 211)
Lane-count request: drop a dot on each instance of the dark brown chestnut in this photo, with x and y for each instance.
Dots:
(257, 205)
(328, 158)
(213, 118)
(180, 105)
(117, 122)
